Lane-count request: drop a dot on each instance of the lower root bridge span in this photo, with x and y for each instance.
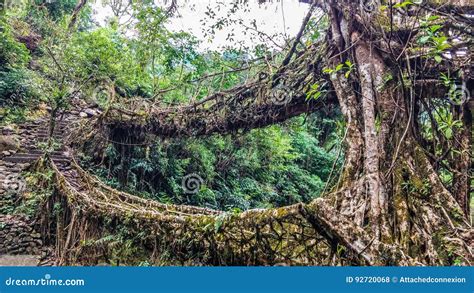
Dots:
(301, 234)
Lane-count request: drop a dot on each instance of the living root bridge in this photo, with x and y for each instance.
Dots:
(266, 100)
(396, 208)
(302, 234)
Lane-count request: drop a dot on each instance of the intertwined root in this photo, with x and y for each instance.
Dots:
(302, 234)
(295, 235)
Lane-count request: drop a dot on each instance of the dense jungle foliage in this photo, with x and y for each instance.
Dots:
(43, 64)
(366, 106)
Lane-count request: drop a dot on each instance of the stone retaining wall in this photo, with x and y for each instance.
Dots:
(17, 236)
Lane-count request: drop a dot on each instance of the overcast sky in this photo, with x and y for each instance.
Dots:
(276, 17)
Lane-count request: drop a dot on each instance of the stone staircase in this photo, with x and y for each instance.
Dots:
(34, 136)
(20, 243)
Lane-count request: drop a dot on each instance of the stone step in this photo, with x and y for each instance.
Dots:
(5, 169)
(64, 160)
(38, 139)
(42, 128)
(47, 133)
(45, 137)
(32, 158)
(57, 128)
(41, 152)
(22, 158)
(37, 154)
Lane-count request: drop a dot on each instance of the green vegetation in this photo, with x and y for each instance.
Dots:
(276, 166)
(15, 87)
(367, 105)
(43, 62)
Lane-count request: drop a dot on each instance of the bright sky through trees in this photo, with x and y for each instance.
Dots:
(271, 18)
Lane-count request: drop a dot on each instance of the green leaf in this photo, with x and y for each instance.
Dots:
(403, 4)
(424, 39)
(448, 133)
(328, 70)
(438, 58)
(435, 28)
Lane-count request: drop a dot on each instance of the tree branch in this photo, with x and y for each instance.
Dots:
(76, 12)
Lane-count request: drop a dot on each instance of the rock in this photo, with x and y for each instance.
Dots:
(26, 239)
(90, 112)
(94, 105)
(24, 165)
(6, 153)
(8, 130)
(83, 115)
(8, 143)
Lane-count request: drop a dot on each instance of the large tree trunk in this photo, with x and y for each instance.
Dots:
(388, 185)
